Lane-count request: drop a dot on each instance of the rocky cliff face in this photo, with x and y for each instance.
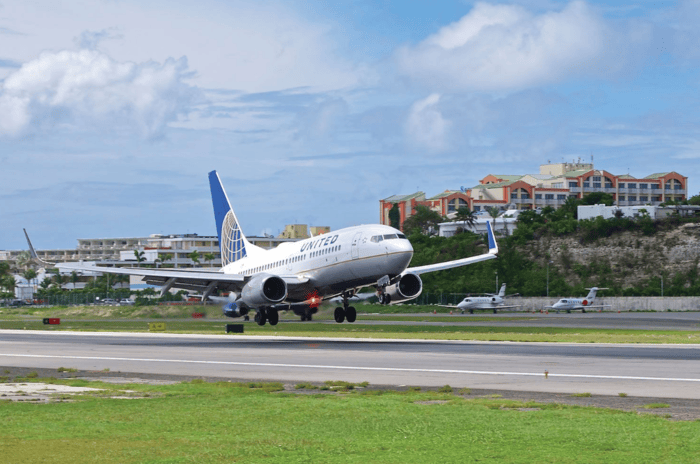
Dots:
(626, 258)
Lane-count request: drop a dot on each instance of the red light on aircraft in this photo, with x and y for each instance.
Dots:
(313, 299)
(584, 302)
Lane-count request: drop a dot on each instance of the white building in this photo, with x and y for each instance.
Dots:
(502, 225)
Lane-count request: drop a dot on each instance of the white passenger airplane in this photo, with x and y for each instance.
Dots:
(299, 275)
(491, 301)
(570, 304)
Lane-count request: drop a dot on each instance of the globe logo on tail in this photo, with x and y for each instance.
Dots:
(232, 242)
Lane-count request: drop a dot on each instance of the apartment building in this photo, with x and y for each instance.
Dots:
(552, 186)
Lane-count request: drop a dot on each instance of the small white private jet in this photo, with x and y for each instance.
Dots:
(569, 304)
(490, 301)
(299, 276)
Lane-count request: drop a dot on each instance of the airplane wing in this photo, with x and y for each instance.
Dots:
(197, 280)
(493, 251)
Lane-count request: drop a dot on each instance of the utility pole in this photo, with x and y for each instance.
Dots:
(548, 263)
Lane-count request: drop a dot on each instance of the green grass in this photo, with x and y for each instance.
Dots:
(228, 422)
(426, 332)
(656, 406)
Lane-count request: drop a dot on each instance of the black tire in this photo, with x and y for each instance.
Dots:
(583, 311)
(246, 317)
(495, 310)
(273, 316)
(351, 314)
(260, 317)
(387, 299)
(339, 315)
(381, 298)
(568, 311)
(471, 311)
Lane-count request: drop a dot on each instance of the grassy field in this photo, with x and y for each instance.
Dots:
(228, 422)
(178, 320)
(320, 329)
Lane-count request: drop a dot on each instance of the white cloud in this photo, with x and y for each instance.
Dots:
(237, 44)
(503, 47)
(89, 89)
(426, 126)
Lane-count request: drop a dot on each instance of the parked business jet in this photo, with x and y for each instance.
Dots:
(299, 275)
(570, 304)
(490, 301)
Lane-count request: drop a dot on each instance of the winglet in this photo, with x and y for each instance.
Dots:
(33, 254)
(493, 246)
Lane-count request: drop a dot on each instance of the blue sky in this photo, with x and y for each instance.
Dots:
(113, 111)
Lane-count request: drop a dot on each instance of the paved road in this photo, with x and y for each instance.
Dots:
(638, 370)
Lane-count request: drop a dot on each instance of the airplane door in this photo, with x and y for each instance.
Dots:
(355, 247)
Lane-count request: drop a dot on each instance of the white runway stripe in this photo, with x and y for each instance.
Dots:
(355, 368)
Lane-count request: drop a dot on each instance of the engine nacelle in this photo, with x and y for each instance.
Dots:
(232, 310)
(408, 287)
(263, 290)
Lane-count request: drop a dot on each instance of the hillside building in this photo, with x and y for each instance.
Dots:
(554, 184)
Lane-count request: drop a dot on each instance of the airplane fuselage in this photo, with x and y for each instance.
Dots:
(480, 302)
(353, 257)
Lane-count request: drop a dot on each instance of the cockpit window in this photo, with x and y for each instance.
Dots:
(401, 236)
(376, 239)
(390, 236)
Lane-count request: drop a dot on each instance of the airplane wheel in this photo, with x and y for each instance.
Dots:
(583, 311)
(568, 311)
(351, 314)
(246, 318)
(471, 311)
(387, 299)
(339, 315)
(273, 316)
(260, 317)
(381, 298)
(495, 310)
(462, 311)
(557, 311)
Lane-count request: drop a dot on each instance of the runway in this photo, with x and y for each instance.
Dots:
(637, 370)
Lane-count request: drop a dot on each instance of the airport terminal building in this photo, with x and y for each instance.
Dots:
(550, 187)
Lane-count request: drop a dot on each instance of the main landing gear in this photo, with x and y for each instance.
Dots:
(346, 312)
(267, 315)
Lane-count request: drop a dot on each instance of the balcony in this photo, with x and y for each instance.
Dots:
(575, 189)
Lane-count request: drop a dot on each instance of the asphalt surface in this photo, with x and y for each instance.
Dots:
(669, 371)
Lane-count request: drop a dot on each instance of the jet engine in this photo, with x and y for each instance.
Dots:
(408, 287)
(232, 310)
(263, 290)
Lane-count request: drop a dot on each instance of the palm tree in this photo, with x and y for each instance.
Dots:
(493, 212)
(139, 257)
(23, 259)
(195, 256)
(45, 283)
(59, 279)
(466, 216)
(209, 257)
(74, 278)
(29, 274)
(165, 257)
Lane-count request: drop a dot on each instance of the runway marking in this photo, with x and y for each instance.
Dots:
(353, 368)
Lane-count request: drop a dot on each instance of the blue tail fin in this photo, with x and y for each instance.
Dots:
(232, 242)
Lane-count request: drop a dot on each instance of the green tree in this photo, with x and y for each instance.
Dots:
(209, 257)
(29, 274)
(195, 256)
(45, 283)
(8, 283)
(466, 216)
(425, 221)
(139, 257)
(395, 216)
(74, 278)
(597, 198)
(23, 259)
(59, 279)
